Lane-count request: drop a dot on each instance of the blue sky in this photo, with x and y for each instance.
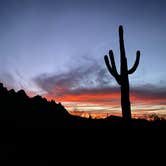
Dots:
(44, 38)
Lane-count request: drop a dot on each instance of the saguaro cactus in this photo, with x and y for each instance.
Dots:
(122, 78)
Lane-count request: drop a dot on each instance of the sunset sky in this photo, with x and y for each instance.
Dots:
(56, 48)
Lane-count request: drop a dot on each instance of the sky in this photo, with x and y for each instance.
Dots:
(56, 48)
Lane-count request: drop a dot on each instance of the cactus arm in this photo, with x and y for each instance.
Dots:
(133, 69)
(108, 65)
(112, 69)
(111, 55)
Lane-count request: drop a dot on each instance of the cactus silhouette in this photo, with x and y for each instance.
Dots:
(122, 78)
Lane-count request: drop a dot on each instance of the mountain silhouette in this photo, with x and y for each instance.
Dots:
(17, 110)
(23, 111)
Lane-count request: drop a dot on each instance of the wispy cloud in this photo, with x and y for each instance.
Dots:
(8, 79)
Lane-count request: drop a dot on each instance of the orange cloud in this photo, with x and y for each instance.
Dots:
(98, 103)
(106, 98)
(88, 97)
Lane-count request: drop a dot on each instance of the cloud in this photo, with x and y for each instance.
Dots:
(93, 84)
(74, 81)
(7, 79)
(149, 93)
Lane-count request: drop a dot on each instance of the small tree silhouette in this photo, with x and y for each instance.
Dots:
(122, 78)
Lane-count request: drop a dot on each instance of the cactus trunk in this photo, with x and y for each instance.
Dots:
(125, 99)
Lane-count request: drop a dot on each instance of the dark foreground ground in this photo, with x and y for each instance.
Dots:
(34, 131)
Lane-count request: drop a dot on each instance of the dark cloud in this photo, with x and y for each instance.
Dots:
(90, 78)
(150, 91)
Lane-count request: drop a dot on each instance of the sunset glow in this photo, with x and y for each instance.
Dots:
(56, 49)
